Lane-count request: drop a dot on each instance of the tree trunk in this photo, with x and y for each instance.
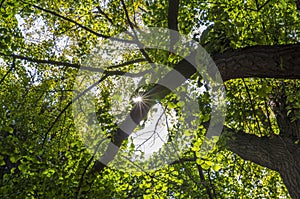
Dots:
(282, 61)
(278, 153)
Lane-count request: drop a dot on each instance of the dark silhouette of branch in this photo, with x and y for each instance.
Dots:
(203, 181)
(105, 15)
(10, 69)
(77, 66)
(78, 24)
(134, 61)
(263, 5)
(81, 181)
(298, 5)
(278, 152)
(139, 44)
(252, 106)
(180, 160)
(1, 3)
(69, 104)
(258, 61)
(173, 22)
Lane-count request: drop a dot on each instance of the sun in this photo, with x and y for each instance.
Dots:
(137, 99)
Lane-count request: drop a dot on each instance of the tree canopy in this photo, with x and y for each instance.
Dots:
(47, 47)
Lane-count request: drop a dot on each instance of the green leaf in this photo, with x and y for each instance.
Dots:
(8, 129)
(216, 167)
(13, 159)
(2, 162)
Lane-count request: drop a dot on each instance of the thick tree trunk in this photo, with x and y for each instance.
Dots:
(259, 61)
(282, 61)
(278, 153)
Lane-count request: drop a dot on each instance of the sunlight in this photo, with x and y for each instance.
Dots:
(137, 99)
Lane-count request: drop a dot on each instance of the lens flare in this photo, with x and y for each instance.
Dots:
(137, 99)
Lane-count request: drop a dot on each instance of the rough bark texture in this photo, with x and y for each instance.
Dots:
(279, 153)
(282, 61)
(260, 61)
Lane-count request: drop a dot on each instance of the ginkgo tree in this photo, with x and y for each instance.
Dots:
(45, 46)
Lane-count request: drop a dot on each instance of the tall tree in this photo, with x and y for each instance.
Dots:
(254, 45)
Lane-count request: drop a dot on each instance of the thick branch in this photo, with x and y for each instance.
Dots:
(278, 153)
(281, 61)
(259, 61)
(251, 147)
(173, 14)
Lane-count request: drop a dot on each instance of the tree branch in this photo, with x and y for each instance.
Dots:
(263, 5)
(1, 3)
(279, 61)
(127, 63)
(69, 104)
(9, 70)
(78, 66)
(259, 61)
(271, 152)
(138, 43)
(279, 153)
(105, 15)
(78, 24)
(173, 22)
(202, 178)
(298, 5)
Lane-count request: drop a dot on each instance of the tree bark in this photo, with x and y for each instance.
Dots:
(281, 61)
(279, 153)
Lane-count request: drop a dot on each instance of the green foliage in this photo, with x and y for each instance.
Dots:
(42, 154)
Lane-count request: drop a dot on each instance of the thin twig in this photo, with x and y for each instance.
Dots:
(70, 103)
(252, 106)
(77, 195)
(105, 15)
(78, 24)
(10, 69)
(140, 45)
(263, 5)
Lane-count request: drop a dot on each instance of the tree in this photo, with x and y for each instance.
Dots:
(254, 45)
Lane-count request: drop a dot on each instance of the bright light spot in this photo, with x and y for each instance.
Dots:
(137, 99)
